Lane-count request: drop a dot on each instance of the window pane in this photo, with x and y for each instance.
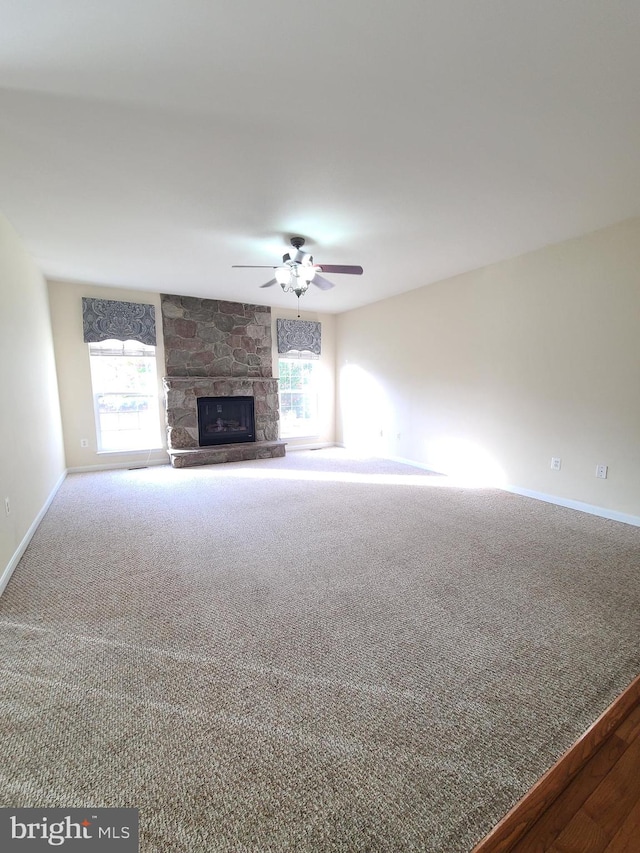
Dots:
(298, 397)
(125, 390)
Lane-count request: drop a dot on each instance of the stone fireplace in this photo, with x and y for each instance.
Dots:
(217, 349)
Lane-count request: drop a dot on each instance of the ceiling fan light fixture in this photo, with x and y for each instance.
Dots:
(307, 272)
(283, 275)
(298, 271)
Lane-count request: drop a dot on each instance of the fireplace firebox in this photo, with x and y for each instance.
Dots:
(225, 420)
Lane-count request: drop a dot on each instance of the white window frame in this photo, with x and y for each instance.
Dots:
(312, 392)
(152, 433)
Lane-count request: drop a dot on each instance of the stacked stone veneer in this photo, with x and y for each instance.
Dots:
(217, 349)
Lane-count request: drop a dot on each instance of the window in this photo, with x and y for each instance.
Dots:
(125, 395)
(298, 397)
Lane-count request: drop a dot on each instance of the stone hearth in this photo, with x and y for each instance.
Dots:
(227, 453)
(218, 349)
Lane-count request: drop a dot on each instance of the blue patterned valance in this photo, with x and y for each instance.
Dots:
(299, 335)
(103, 319)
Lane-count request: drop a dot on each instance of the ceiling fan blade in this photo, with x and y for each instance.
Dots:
(338, 268)
(322, 283)
(252, 266)
(270, 283)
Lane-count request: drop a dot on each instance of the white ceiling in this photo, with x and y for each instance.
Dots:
(153, 144)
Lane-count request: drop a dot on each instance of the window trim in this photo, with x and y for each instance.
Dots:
(149, 351)
(307, 357)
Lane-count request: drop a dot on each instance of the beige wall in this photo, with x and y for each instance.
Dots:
(490, 374)
(326, 371)
(74, 375)
(31, 452)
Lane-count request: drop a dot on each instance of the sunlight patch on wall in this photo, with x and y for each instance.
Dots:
(367, 416)
(464, 461)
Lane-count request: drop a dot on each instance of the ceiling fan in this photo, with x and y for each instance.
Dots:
(298, 271)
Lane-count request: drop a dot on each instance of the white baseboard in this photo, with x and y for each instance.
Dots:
(403, 461)
(316, 445)
(113, 466)
(603, 512)
(22, 547)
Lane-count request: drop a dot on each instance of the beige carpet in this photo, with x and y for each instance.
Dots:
(313, 653)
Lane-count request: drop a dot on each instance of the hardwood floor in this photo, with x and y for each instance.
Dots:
(589, 802)
(600, 809)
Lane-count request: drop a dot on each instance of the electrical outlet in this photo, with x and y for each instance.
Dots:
(7, 506)
(556, 463)
(84, 442)
(601, 472)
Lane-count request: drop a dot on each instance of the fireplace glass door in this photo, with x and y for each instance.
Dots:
(225, 420)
